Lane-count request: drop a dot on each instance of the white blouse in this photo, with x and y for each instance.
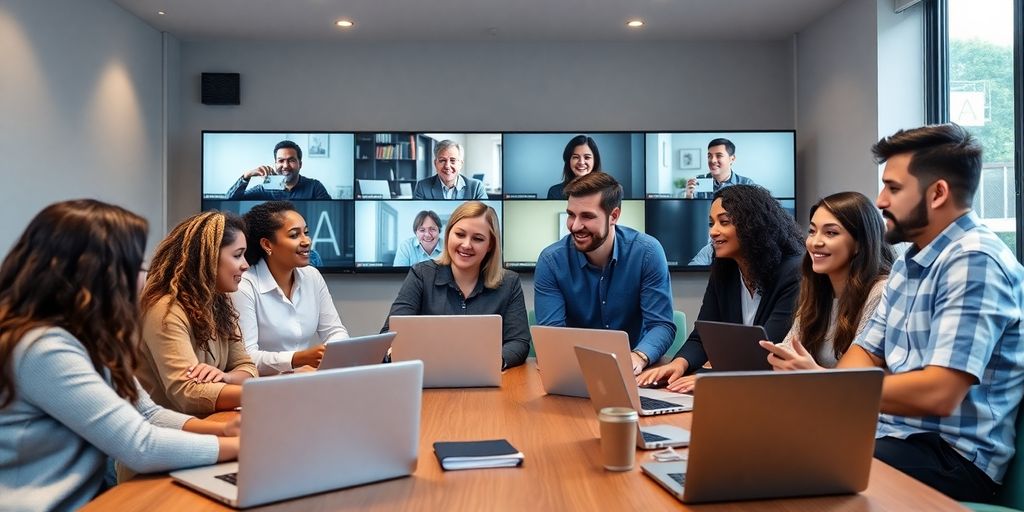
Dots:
(274, 327)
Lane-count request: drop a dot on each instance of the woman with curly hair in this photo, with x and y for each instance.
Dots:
(844, 272)
(69, 318)
(284, 308)
(193, 357)
(755, 276)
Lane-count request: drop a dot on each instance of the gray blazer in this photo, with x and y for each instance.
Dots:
(430, 188)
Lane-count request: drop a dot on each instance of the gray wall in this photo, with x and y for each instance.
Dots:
(81, 100)
(485, 87)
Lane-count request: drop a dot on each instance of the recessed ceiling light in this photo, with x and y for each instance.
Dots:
(161, 13)
(635, 23)
(345, 23)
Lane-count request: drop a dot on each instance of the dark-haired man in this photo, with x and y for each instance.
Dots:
(948, 329)
(721, 156)
(287, 162)
(606, 276)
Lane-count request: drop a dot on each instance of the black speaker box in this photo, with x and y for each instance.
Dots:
(221, 89)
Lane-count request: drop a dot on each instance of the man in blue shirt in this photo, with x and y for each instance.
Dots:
(721, 156)
(606, 276)
(287, 162)
(948, 329)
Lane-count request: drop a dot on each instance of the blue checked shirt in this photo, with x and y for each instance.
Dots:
(957, 303)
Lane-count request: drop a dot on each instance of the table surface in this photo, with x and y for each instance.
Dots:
(562, 469)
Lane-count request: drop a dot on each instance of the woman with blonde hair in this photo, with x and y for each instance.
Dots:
(468, 279)
(194, 360)
(69, 318)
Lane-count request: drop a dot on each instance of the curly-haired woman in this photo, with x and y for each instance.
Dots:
(193, 357)
(755, 275)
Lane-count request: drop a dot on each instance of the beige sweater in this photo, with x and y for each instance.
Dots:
(169, 350)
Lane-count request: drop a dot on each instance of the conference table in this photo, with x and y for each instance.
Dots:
(562, 469)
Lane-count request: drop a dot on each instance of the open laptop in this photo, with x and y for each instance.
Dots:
(358, 351)
(560, 370)
(762, 435)
(733, 347)
(607, 389)
(458, 351)
(346, 438)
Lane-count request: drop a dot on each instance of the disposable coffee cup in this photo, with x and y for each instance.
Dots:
(618, 437)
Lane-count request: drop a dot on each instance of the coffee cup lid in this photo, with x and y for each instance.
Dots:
(618, 414)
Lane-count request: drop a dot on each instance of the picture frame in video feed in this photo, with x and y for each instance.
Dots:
(534, 165)
(391, 236)
(331, 229)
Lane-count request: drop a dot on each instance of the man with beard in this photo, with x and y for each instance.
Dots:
(449, 183)
(948, 329)
(287, 162)
(606, 276)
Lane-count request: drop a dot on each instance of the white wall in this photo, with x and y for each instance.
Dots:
(496, 87)
(81, 99)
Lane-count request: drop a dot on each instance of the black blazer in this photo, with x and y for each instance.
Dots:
(722, 303)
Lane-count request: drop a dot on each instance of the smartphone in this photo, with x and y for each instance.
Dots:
(705, 185)
(274, 182)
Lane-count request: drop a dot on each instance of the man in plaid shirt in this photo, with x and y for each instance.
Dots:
(948, 329)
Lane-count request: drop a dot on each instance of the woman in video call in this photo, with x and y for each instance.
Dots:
(69, 317)
(193, 357)
(579, 157)
(844, 272)
(468, 279)
(424, 244)
(285, 310)
(755, 276)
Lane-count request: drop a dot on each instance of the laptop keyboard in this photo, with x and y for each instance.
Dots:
(652, 438)
(653, 404)
(231, 478)
(680, 478)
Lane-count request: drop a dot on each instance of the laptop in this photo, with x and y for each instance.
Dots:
(733, 347)
(458, 351)
(607, 389)
(560, 370)
(358, 351)
(763, 435)
(345, 438)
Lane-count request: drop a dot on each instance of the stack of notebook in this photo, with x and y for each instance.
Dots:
(497, 453)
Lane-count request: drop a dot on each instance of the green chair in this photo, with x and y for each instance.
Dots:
(531, 317)
(1011, 496)
(678, 318)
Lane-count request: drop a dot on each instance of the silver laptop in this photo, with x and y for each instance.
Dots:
(358, 351)
(306, 433)
(560, 370)
(733, 347)
(458, 351)
(777, 434)
(607, 389)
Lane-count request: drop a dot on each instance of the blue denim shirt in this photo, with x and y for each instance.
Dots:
(631, 293)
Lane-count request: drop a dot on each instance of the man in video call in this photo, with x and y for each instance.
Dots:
(287, 163)
(721, 156)
(449, 183)
(606, 276)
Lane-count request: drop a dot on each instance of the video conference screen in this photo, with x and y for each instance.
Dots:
(380, 202)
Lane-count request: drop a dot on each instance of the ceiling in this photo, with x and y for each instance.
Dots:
(479, 20)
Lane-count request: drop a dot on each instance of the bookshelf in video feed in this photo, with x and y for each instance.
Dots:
(683, 171)
(323, 194)
(536, 167)
(400, 207)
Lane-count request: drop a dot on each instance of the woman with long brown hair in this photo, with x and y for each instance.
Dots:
(194, 360)
(69, 337)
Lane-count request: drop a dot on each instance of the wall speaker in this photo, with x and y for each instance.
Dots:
(221, 88)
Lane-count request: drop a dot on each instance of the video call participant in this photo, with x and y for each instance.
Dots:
(193, 357)
(449, 183)
(579, 157)
(606, 276)
(948, 330)
(287, 162)
(468, 279)
(721, 156)
(844, 272)
(285, 311)
(425, 244)
(755, 277)
(69, 316)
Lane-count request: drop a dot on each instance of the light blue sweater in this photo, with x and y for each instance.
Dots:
(66, 418)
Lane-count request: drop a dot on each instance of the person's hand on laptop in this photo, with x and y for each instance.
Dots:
(308, 357)
(666, 373)
(793, 357)
(638, 362)
(203, 372)
(682, 384)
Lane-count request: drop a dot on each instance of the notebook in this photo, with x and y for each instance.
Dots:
(496, 453)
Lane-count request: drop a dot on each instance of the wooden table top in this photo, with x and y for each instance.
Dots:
(562, 470)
